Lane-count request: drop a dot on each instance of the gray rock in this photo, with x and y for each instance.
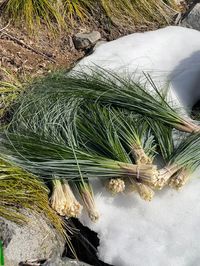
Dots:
(64, 262)
(34, 241)
(192, 20)
(86, 40)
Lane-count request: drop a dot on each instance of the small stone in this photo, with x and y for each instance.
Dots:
(86, 40)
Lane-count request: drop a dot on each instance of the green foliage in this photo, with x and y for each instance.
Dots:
(21, 191)
(187, 154)
(33, 12)
(108, 88)
(102, 111)
(163, 137)
(54, 134)
(46, 158)
(101, 115)
(74, 9)
(9, 91)
(62, 12)
(138, 11)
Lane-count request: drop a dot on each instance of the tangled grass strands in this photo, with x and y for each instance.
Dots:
(46, 158)
(56, 123)
(95, 131)
(108, 88)
(62, 13)
(135, 134)
(163, 138)
(11, 213)
(21, 190)
(76, 9)
(33, 13)
(86, 193)
(98, 131)
(72, 207)
(9, 91)
(147, 12)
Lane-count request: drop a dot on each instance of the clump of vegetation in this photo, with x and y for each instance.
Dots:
(62, 13)
(74, 9)
(109, 88)
(32, 12)
(21, 190)
(139, 11)
(9, 91)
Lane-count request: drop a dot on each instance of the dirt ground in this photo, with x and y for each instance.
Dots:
(28, 55)
(24, 54)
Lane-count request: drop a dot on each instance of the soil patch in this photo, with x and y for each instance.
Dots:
(24, 54)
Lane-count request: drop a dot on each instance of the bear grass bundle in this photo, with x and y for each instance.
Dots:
(72, 128)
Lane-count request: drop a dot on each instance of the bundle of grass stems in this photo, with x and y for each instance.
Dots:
(72, 128)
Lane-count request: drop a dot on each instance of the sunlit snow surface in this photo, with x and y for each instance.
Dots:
(165, 231)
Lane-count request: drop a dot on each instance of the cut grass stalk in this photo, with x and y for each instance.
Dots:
(116, 185)
(45, 158)
(86, 193)
(183, 162)
(179, 179)
(63, 200)
(57, 199)
(72, 206)
(83, 186)
(143, 190)
(135, 134)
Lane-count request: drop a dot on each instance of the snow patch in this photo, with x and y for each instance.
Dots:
(165, 231)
